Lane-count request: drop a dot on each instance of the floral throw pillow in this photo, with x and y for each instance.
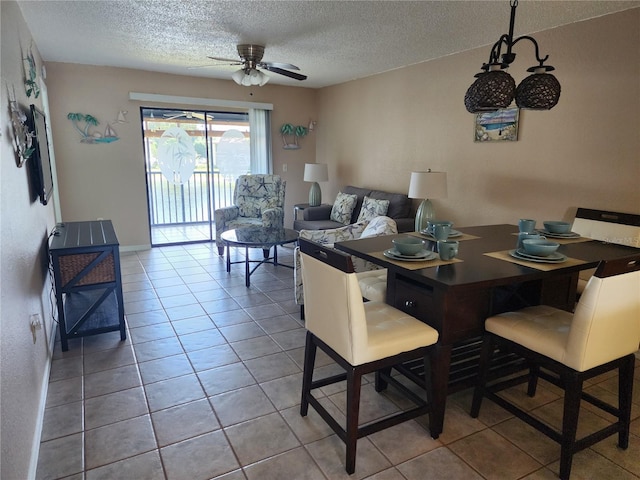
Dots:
(343, 208)
(372, 208)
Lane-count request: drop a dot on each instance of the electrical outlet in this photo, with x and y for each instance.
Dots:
(284, 167)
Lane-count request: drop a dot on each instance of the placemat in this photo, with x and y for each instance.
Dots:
(416, 265)
(464, 236)
(504, 255)
(564, 241)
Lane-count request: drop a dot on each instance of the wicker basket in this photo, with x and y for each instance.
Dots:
(71, 265)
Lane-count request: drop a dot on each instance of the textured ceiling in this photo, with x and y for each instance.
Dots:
(331, 41)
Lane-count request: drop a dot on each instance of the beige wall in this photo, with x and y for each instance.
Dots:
(584, 152)
(372, 132)
(24, 225)
(107, 180)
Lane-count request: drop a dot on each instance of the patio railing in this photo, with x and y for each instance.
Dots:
(188, 203)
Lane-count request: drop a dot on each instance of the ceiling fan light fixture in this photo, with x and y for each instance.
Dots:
(254, 77)
(258, 78)
(238, 76)
(251, 72)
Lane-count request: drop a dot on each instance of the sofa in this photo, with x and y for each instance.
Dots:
(400, 210)
(371, 278)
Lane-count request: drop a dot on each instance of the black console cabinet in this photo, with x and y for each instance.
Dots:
(86, 267)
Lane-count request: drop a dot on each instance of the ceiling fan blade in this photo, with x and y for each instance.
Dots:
(278, 65)
(234, 61)
(196, 67)
(286, 73)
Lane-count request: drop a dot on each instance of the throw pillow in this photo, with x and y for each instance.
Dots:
(372, 208)
(343, 208)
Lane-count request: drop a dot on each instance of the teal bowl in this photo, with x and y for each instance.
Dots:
(539, 247)
(557, 227)
(408, 245)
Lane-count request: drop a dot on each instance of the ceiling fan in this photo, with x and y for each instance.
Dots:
(185, 114)
(251, 60)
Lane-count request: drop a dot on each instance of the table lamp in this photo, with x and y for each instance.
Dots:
(315, 172)
(427, 185)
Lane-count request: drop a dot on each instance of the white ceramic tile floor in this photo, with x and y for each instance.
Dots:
(207, 385)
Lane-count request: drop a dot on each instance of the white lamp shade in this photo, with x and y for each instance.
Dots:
(254, 77)
(428, 185)
(316, 172)
(237, 76)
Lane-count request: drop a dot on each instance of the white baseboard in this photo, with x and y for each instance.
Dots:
(135, 248)
(42, 404)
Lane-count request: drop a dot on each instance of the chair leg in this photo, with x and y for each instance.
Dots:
(381, 383)
(534, 372)
(307, 374)
(220, 250)
(485, 359)
(302, 312)
(354, 381)
(625, 393)
(428, 387)
(572, 396)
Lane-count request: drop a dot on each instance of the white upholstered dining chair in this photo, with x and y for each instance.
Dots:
(361, 337)
(611, 227)
(602, 335)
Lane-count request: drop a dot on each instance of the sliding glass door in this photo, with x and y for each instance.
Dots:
(192, 159)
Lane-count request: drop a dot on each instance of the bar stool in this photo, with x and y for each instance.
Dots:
(602, 335)
(610, 227)
(361, 337)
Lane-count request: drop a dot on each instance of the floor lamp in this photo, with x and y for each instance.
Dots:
(427, 185)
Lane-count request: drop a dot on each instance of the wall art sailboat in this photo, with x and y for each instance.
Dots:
(83, 124)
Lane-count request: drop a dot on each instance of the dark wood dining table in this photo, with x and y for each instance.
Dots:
(456, 297)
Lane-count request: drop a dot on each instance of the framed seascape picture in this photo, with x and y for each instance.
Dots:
(498, 126)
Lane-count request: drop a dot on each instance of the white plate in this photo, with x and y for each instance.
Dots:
(452, 234)
(425, 256)
(559, 235)
(553, 258)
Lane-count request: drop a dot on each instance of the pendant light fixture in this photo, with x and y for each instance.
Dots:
(495, 88)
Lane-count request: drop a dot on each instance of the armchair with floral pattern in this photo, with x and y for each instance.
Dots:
(378, 226)
(258, 200)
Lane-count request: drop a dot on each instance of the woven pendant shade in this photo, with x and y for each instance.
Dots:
(540, 91)
(495, 89)
(491, 91)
